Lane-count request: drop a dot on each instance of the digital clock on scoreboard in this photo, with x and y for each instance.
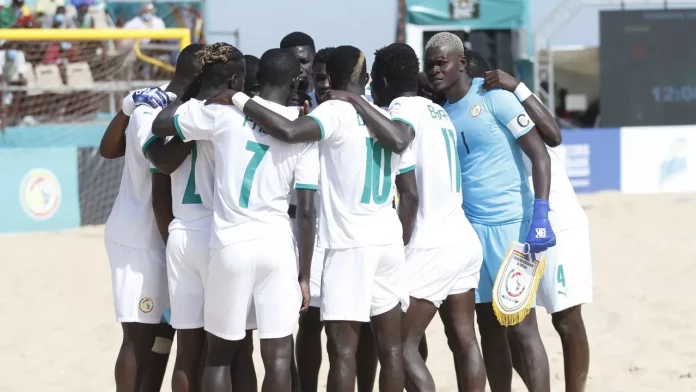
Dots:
(648, 67)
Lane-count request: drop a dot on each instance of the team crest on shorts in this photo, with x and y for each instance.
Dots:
(475, 110)
(522, 120)
(146, 304)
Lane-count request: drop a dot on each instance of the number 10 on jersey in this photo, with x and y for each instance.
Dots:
(377, 166)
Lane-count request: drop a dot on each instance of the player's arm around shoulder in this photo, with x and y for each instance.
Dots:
(302, 129)
(168, 156)
(113, 143)
(164, 124)
(546, 125)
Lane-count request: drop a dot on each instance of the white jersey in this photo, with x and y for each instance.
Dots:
(192, 183)
(566, 210)
(440, 220)
(254, 172)
(132, 220)
(357, 181)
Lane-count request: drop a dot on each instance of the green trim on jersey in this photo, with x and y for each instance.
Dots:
(321, 126)
(306, 186)
(178, 128)
(405, 122)
(407, 169)
(147, 144)
(154, 170)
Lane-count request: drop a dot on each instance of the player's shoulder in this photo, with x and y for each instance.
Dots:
(289, 112)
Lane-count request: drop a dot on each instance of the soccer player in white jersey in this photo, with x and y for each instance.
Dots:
(309, 347)
(135, 247)
(567, 282)
(444, 255)
(253, 255)
(358, 226)
(188, 248)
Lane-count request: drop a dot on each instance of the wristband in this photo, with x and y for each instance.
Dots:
(522, 92)
(239, 100)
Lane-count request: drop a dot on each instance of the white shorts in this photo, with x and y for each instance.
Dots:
(567, 281)
(139, 283)
(359, 283)
(188, 256)
(263, 271)
(315, 277)
(436, 273)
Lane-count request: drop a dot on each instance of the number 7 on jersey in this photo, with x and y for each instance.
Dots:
(259, 151)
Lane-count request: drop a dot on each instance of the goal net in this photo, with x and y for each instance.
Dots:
(74, 76)
(71, 75)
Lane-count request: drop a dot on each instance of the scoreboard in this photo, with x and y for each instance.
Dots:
(648, 67)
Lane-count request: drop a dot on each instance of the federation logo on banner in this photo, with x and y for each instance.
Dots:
(40, 194)
(464, 9)
(674, 165)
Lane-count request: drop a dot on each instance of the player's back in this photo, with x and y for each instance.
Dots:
(494, 184)
(132, 220)
(440, 220)
(357, 176)
(254, 176)
(192, 183)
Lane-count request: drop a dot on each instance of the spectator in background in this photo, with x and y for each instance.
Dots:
(16, 15)
(59, 21)
(48, 7)
(60, 53)
(13, 71)
(146, 20)
(84, 20)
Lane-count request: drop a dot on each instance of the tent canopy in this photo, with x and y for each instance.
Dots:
(474, 14)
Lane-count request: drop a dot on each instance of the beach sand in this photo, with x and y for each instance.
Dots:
(58, 331)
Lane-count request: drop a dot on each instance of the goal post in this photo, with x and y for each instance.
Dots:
(183, 35)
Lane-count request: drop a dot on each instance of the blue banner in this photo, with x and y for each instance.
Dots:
(40, 189)
(54, 135)
(476, 14)
(592, 158)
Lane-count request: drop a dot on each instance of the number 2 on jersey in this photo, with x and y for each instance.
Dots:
(259, 151)
(190, 195)
(377, 164)
(451, 146)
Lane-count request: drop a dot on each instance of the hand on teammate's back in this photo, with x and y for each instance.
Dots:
(304, 109)
(500, 79)
(299, 98)
(304, 288)
(152, 97)
(341, 95)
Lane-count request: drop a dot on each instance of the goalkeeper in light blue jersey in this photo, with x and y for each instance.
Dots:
(495, 130)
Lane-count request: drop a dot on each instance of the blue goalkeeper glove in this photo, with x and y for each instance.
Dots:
(152, 97)
(541, 236)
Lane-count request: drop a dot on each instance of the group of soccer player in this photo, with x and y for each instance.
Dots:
(254, 189)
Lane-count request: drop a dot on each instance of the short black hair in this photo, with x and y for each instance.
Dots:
(322, 56)
(346, 65)
(220, 61)
(252, 65)
(398, 64)
(188, 62)
(476, 65)
(278, 67)
(295, 39)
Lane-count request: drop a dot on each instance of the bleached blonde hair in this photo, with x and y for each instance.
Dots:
(446, 41)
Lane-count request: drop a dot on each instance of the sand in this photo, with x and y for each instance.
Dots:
(58, 331)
